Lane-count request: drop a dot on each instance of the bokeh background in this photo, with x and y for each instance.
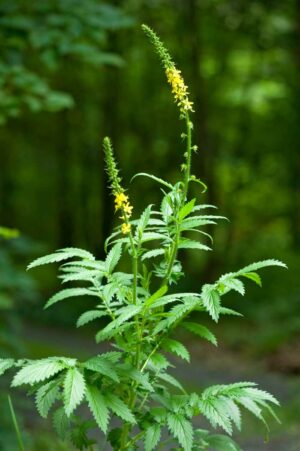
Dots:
(72, 72)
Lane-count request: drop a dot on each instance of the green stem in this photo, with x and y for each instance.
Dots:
(132, 394)
(16, 426)
(173, 257)
(187, 174)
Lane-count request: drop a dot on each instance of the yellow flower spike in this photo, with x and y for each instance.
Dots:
(179, 89)
(125, 228)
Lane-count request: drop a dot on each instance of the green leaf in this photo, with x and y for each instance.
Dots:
(194, 222)
(153, 253)
(61, 423)
(5, 364)
(211, 301)
(180, 311)
(98, 407)
(159, 361)
(232, 283)
(69, 293)
(153, 177)
(37, 371)
(142, 379)
(74, 389)
(215, 410)
(143, 221)
(60, 255)
(152, 437)
(222, 443)
(89, 316)
(253, 276)
(101, 364)
(219, 403)
(171, 380)
(151, 236)
(181, 429)
(229, 311)
(157, 295)
(259, 265)
(113, 258)
(191, 244)
(126, 313)
(176, 347)
(119, 408)
(46, 397)
(201, 331)
(186, 209)
(73, 274)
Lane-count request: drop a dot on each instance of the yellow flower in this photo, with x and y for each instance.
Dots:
(128, 209)
(186, 105)
(120, 200)
(125, 228)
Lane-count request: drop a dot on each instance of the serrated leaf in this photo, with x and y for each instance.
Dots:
(5, 364)
(151, 236)
(153, 177)
(222, 443)
(201, 331)
(176, 347)
(191, 244)
(159, 361)
(171, 380)
(192, 223)
(89, 316)
(233, 412)
(250, 405)
(253, 276)
(60, 255)
(229, 311)
(232, 283)
(46, 397)
(126, 313)
(129, 373)
(102, 365)
(113, 257)
(219, 403)
(181, 429)
(37, 371)
(143, 221)
(152, 437)
(69, 293)
(119, 408)
(98, 407)
(186, 209)
(61, 423)
(258, 265)
(180, 311)
(73, 274)
(211, 301)
(74, 389)
(216, 413)
(77, 252)
(153, 253)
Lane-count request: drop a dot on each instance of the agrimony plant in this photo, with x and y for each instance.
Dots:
(143, 310)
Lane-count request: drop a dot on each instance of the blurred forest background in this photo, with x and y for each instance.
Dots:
(72, 72)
